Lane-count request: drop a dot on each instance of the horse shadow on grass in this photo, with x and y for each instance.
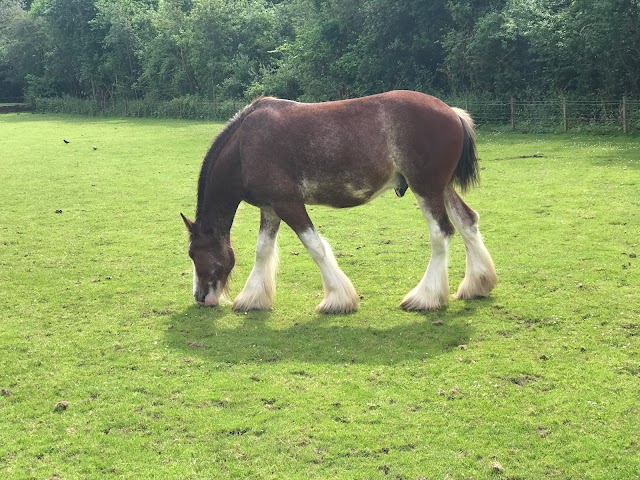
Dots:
(221, 335)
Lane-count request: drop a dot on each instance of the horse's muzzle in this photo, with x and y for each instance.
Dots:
(200, 298)
(206, 300)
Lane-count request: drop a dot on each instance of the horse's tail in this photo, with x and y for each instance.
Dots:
(466, 174)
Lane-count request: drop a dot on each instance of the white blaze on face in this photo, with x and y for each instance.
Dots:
(195, 279)
(211, 300)
(212, 295)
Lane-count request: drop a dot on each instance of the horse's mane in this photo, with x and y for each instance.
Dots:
(216, 147)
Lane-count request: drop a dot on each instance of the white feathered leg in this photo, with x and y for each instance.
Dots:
(480, 276)
(339, 294)
(433, 290)
(260, 289)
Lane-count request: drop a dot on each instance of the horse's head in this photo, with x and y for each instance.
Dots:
(213, 261)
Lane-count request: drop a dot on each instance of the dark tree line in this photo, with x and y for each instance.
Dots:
(318, 49)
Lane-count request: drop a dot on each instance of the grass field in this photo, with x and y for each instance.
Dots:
(108, 369)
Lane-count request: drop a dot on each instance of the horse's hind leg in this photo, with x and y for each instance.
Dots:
(433, 290)
(339, 294)
(259, 291)
(480, 276)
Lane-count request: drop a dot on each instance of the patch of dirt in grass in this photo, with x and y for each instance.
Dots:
(344, 420)
(522, 379)
(497, 467)
(409, 447)
(453, 394)
(543, 432)
(61, 406)
(153, 311)
(632, 329)
(528, 321)
(216, 403)
(631, 368)
(270, 404)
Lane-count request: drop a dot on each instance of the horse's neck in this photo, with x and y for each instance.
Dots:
(218, 218)
(222, 195)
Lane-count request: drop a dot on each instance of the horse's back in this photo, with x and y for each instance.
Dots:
(344, 152)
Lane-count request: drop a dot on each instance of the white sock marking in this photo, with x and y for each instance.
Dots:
(433, 290)
(260, 289)
(480, 275)
(339, 294)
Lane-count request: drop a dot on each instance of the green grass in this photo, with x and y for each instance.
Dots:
(541, 380)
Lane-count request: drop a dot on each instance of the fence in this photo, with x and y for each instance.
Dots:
(560, 115)
(12, 105)
(545, 116)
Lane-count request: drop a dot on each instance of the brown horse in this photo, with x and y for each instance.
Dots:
(280, 155)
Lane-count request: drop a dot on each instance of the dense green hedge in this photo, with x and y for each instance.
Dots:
(184, 107)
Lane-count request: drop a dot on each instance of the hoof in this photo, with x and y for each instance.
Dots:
(241, 305)
(327, 306)
(340, 300)
(413, 305)
(477, 287)
(421, 299)
(254, 299)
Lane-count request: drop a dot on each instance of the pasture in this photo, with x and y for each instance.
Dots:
(109, 370)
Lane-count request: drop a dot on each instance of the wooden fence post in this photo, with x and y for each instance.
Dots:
(625, 123)
(513, 113)
(565, 122)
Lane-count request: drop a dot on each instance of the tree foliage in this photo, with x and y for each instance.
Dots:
(317, 49)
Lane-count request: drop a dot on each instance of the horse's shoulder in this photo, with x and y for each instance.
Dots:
(261, 101)
(271, 103)
(267, 109)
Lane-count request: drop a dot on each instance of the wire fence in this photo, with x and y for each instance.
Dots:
(533, 116)
(12, 105)
(10, 100)
(557, 115)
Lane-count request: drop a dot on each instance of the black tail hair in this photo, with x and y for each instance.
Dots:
(467, 173)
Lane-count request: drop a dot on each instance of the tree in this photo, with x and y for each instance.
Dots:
(345, 49)
(126, 24)
(318, 49)
(22, 52)
(401, 45)
(585, 48)
(74, 52)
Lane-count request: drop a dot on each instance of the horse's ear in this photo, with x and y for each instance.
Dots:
(188, 223)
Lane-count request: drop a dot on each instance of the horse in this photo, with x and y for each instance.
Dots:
(280, 155)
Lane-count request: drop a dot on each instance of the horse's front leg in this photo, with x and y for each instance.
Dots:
(339, 294)
(260, 289)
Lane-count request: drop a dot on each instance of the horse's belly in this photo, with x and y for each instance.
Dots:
(340, 194)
